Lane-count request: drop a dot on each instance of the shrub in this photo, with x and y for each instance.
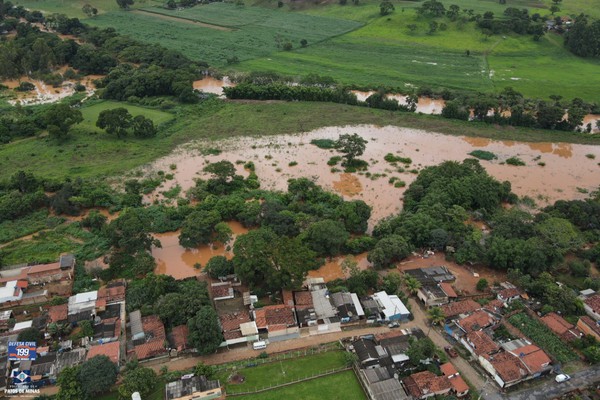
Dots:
(324, 143)
(249, 166)
(25, 87)
(590, 156)
(483, 155)
(293, 164)
(516, 161)
(334, 160)
(399, 184)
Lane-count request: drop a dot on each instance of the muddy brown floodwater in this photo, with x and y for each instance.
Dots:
(208, 84)
(177, 261)
(567, 173)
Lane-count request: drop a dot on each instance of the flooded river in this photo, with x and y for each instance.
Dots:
(568, 171)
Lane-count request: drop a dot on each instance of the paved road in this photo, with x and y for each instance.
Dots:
(550, 389)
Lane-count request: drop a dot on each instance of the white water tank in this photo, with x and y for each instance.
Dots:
(136, 396)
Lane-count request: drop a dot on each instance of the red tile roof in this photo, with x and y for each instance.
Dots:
(587, 322)
(460, 307)
(231, 322)
(222, 290)
(271, 316)
(180, 335)
(288, 297)
(556, 323)
(594, 303)
(112, 294)
(423, 383)
(508, 293)
(482, 343)
(153, 327)
(494, 305)
(476, 321)
(58, 313)
(458, 383)
(150, 349)
(44, 268)
(533, 357)
(507, 367)
(447, 288)
(22, 284)
(303, 298)
(112, 350)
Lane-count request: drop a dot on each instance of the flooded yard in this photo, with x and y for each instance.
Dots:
(568, 171)
(179, 262)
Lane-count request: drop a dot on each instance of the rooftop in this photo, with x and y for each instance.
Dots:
(66, 261)
(457, 382)
(556, 323)
(509, 293)
(593, 325)
(533, 357)
(189, 386)
(271, 316)
(43, 268)
(179, 337)
(432, 275)
(221, 290)
(482, 343)
(476, 321)
(423, 383)
(303, 298)
(448, 289)
(507, 366)
(460, 307)
(593, 302)
(389, 389)
(58, 313)
(111, 350)
(232, 321)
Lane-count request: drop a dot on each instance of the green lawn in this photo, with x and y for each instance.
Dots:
(341, 386)
(72, 8)
(86, 154)
(280, 372)
(254, 32)
(91, 113)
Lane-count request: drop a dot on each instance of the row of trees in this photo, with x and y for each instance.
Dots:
(583, 38)
(510, 107)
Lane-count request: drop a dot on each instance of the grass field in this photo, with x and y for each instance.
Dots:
(254, 32)
(385, 53)
(91, 113)
(72, 8)
(341, 386)
(86, 154)
(285, 371)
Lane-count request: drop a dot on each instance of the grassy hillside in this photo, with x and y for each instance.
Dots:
(251, 32)
(88, 155)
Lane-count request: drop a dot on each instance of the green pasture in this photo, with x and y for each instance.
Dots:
(253, 32)
(341, 386)
(72, 8)
(89, 153)
(91, 113)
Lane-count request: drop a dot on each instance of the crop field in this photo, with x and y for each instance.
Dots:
(253, 32)
(341, 386)
(386, 53)
(72, 8)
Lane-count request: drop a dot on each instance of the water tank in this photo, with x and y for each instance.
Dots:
(136, 396)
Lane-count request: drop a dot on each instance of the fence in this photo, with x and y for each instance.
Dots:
(292, 382)
(252, 362)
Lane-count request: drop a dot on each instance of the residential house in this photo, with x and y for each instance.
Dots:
(396, 344)
(136, 328)
(535, 359)
(11, 291)
(302, 301)
(592, 306)
(459, 386)
(325, 313)
(20, 326)
(392, 308)
(82, 306)
(431, 275)
(370, 355)
(589, 327)
(508, 295)
(504, 368)
(436, 295)
(58, 313)
(113, 292)
(348, 306)
(563, 328)
(112, 350)
(495, 306)
(426, 384)
(232, 324)
(193, 387)
(382, 384)
(476, 321)
(153, 343)
(178, 338)
(5, 317)
(479, 343)
(462, 307)
(222, 291)
(278, 321)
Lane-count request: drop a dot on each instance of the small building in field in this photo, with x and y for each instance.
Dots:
(192, 388)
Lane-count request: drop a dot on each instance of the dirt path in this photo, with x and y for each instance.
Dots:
(182, 20)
